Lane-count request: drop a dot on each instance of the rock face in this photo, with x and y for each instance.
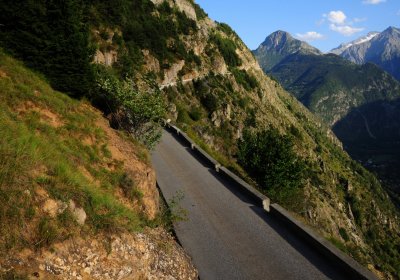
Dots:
(107, 58)
(150, 255)
(383, 49)
(340, 49)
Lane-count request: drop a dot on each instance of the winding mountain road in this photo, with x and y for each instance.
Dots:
(225, 234)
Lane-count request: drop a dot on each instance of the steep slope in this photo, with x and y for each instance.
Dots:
(74, 191)
(383, 50)
(217, 92)
(277, 46)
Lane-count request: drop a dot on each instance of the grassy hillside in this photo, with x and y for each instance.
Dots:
(54, 152)
(52, 144)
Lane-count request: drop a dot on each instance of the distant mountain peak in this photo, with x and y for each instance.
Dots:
(278, 45)
(282, 41)
(342, 47)
(382, 49)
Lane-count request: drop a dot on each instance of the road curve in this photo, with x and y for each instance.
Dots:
(225, 234)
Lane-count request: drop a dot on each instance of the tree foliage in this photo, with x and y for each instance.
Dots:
(269, 157)
(145, 26)
(51, 37)
(227, 49)
(141, 111)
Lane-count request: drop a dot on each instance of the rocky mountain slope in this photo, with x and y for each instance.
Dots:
(342, 47)
(216, 91)
(277, 46)
(382, 50)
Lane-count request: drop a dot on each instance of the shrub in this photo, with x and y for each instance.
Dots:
(227, 49)
(344, 234)
(195, 114)
(226, 29)
(269, 158)
(245, 79)
(200, 13)
(141, 111)
(210, 102)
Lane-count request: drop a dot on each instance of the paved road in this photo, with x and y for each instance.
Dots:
(226, 235)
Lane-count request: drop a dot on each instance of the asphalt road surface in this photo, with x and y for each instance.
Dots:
(225, 234)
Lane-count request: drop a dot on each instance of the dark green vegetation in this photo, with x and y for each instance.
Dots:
(52, 38)
(269, 158)
(227, 49)
(143, 26)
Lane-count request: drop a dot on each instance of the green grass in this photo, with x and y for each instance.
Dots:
(36, 154)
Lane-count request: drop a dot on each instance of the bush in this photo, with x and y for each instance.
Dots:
(200, 13)
(269, 158)
(226, 29)
(344, 234)
(195, 114)
(245, 79)
(141, 111)
(227, 48)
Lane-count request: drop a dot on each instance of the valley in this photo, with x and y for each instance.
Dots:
(359, 102)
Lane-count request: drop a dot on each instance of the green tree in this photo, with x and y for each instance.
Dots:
(269, 157)
(141, 111)
(51, 37)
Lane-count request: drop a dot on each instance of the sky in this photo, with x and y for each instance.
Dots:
(324, 24)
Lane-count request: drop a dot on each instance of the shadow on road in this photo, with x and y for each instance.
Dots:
(298, 243)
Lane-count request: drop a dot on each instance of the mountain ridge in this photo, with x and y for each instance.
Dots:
(342, 47)
(383, 50)
(277, 45)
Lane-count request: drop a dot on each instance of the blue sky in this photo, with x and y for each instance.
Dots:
(323, 23)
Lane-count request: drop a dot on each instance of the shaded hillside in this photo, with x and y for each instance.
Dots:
(216, 91)
(371, 134)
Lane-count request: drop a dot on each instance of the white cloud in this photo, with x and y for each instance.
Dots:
(345, 30)
(359, 19)
(373, 2)
(336, 17)
(309, 36)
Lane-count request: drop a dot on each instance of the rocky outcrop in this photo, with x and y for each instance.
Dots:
(107, 58)
(153, 254)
